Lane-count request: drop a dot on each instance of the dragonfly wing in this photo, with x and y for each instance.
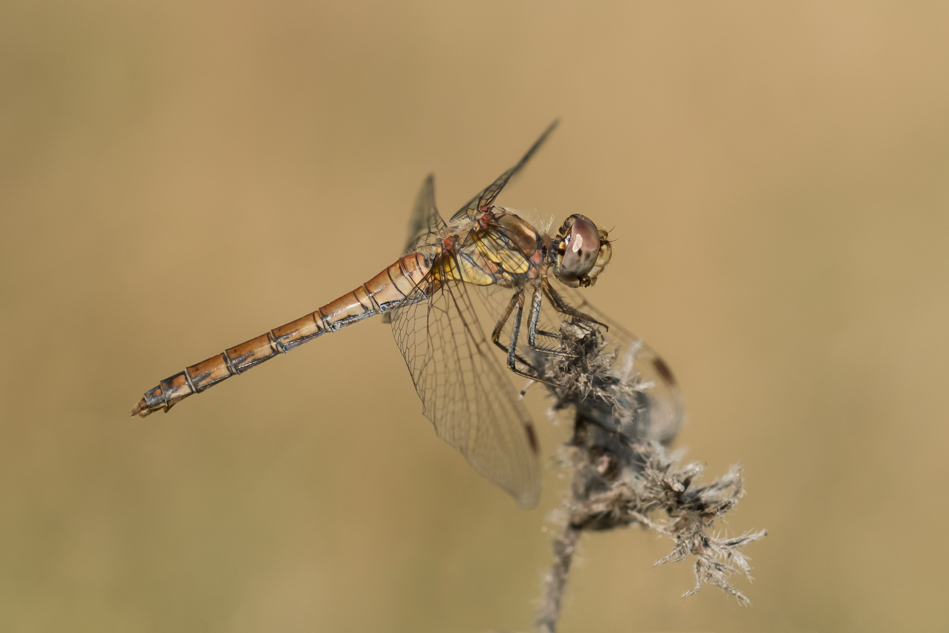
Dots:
(658, 411)
(465, 392)
(424, 227)
(487, 197)
(426, 221)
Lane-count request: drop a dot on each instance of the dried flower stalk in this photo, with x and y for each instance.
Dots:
(623, 474)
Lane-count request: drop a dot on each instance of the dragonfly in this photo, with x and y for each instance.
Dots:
(486, 259)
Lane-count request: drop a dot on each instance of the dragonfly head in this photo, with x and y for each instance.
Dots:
(580, 251)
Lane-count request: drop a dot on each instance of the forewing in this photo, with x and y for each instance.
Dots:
(464, 391)
(426, 221)
(658, 411)
(488, 195)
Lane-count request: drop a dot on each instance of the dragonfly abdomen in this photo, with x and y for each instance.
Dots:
(380, 294)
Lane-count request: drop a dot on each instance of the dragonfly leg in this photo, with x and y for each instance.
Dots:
(496, 335)
(532, 330)
(516, 299)
(513, 356)
(562, 306)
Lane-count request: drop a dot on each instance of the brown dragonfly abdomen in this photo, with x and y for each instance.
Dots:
(378, 295)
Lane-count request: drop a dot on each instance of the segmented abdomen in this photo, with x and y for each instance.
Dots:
(380, 294)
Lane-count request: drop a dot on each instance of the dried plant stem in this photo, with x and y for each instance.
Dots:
(622, 474)
(549, 611)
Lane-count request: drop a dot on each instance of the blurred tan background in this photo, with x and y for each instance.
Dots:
(177, 177)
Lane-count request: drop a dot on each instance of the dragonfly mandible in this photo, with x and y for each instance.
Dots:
(431, 297)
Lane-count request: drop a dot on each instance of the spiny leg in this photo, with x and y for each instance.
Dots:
(532, 330)
(562, 306)
(513, 358)
(516, 299)
(512, 355)
(532, 333)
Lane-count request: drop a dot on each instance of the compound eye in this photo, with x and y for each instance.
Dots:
(580, 247)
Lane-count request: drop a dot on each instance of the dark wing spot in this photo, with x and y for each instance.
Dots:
(664, 370)
(532, 438)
